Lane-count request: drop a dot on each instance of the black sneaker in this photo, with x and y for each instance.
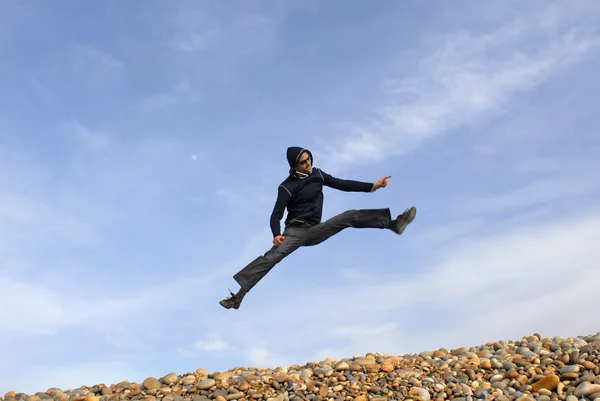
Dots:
(398, 225)
(232, 302)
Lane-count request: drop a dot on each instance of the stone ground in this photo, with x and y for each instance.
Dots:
(533, 368)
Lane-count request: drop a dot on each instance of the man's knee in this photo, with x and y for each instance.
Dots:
(277, 253)
(349, 215)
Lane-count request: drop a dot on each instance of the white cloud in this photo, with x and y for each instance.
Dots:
(94, 141)
(35, 306)
(465, 77)
(536, 193)
(213, 342)
(261, 356)
(87, 56)
(200, 28)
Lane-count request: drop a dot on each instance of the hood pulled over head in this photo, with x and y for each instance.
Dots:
(293, 155)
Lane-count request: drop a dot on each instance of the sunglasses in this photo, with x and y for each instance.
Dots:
(303, 162)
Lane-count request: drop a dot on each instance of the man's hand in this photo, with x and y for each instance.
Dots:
(381, 183)
(278, 240)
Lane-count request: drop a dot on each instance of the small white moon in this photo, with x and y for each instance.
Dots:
(194, 157)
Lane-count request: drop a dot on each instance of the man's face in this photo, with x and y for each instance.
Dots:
(304, 165)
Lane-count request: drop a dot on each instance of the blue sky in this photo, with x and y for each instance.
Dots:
(142, 143)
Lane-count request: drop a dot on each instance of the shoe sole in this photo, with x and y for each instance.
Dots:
(224, 305)
(410, 219)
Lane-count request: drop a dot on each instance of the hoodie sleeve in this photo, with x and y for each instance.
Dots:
(283, 196)
(345, 185)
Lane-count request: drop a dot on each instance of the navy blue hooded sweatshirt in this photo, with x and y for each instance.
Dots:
(303, 196)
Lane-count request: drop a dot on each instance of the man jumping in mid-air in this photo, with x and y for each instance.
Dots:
(302, 193)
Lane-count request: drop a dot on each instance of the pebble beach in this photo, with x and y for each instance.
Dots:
(531, 368)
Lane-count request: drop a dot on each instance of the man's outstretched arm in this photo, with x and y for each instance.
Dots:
(283, 196)
(352, 185)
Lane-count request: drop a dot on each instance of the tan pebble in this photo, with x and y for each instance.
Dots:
(365, 361)
(61, 397)
(206, 384)
(92, 398)
(496, 378)
(459, 351)
(340, 366)
(569, 376)
(560, 388)
(544, 391)
(360, 398)
(323, 391)
(220, 398)
(390, 364)
(33, 398)
(169, 379)
(202, 372)
(151, 383)
(512, 374)
(226, 376)
(9, 394)
(548, 382)
(281, 378)
(589, 365)
(586, 388)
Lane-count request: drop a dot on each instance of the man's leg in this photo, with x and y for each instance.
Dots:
(355, 218)
(252, 273)
(360, 218)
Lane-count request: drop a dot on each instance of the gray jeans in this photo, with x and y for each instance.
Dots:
(297, 235)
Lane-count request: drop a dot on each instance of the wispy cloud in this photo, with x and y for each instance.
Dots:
(86, 56)
(262, 356)
(464, 78)
(47, 309)
(207, 27)
(213, 342)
